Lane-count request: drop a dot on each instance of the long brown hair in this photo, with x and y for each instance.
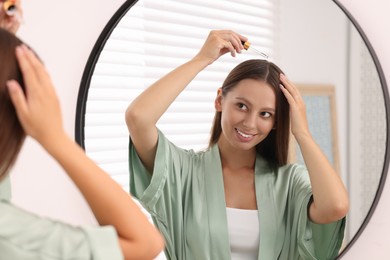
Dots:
(274, 147)
(11, 132)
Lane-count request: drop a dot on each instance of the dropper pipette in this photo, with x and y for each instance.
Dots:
(9, 7)
(248, 46)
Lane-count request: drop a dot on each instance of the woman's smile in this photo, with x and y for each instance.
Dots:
(244, 136)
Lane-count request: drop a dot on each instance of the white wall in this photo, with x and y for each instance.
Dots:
(63, 33)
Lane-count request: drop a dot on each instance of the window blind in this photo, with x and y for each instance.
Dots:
(153, 38)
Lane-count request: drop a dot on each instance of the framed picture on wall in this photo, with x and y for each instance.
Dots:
(321, 115)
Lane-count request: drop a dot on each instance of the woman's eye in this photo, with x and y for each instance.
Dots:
(265, 114)
(241, 106)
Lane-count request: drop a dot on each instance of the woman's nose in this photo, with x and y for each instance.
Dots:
(250, 120)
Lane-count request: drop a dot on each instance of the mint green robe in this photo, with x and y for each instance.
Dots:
(27, 236)
(186, 199)
(5, 188)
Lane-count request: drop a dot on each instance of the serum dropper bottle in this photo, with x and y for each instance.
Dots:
(9, 7)
(248, 46)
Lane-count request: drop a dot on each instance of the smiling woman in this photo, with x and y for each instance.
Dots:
(146, 39)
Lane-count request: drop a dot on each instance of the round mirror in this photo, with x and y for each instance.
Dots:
(318, 45)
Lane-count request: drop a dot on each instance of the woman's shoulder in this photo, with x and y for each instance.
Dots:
(192, 152)
(272, 167)
(288, 172)
(294, 173)
(18, 224)
(292, 167)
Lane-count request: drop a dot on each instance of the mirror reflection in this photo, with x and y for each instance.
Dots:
(312, 41)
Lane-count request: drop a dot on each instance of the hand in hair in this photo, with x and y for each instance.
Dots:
(39, 110)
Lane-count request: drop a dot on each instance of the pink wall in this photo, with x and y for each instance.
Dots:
(63, 33)
(374, 19)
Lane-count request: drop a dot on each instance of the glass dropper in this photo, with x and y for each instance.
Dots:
(248, 46)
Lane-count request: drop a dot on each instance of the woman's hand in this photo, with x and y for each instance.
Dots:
(220, 42)
(330, 198)
(38, 109)
(299, 124)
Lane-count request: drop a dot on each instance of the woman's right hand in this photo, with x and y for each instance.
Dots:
(220, 42)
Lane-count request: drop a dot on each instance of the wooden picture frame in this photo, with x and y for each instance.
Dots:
(320, 101)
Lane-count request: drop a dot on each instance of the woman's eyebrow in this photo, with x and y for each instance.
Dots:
(243, 99)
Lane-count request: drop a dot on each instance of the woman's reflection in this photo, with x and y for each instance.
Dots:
(239, 199)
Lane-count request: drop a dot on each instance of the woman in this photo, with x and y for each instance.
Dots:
(29, 106)
(239, 199)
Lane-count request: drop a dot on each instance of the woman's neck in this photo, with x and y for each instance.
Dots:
(234, 158)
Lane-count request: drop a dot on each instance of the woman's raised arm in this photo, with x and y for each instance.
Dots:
(330, 197)
(144, 112)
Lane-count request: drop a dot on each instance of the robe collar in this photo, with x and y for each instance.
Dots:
(216, 205)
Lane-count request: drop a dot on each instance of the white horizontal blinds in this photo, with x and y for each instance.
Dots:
(153, 38)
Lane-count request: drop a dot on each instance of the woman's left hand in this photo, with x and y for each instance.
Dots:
(330, 197)
(38, 110)
(299, 124)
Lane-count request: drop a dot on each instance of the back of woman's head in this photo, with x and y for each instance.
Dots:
(11, 132)
(275, 147)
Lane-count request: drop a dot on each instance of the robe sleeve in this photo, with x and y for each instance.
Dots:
(168, 171)
(24, 235)
(161, 193)
(315, 241)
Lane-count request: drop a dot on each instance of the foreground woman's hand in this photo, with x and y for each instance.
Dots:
(38, 109)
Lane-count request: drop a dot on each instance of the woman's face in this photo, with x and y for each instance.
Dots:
(248, 113)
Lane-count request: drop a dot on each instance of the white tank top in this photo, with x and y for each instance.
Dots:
(244, 233)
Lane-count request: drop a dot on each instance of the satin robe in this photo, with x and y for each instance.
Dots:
(185, 197)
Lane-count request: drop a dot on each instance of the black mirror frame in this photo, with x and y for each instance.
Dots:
(105, 34)
(385, 92)
(90, 68)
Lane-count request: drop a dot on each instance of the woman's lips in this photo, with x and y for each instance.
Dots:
(244, 136)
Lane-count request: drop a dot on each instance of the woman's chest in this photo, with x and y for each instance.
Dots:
(239, 189)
